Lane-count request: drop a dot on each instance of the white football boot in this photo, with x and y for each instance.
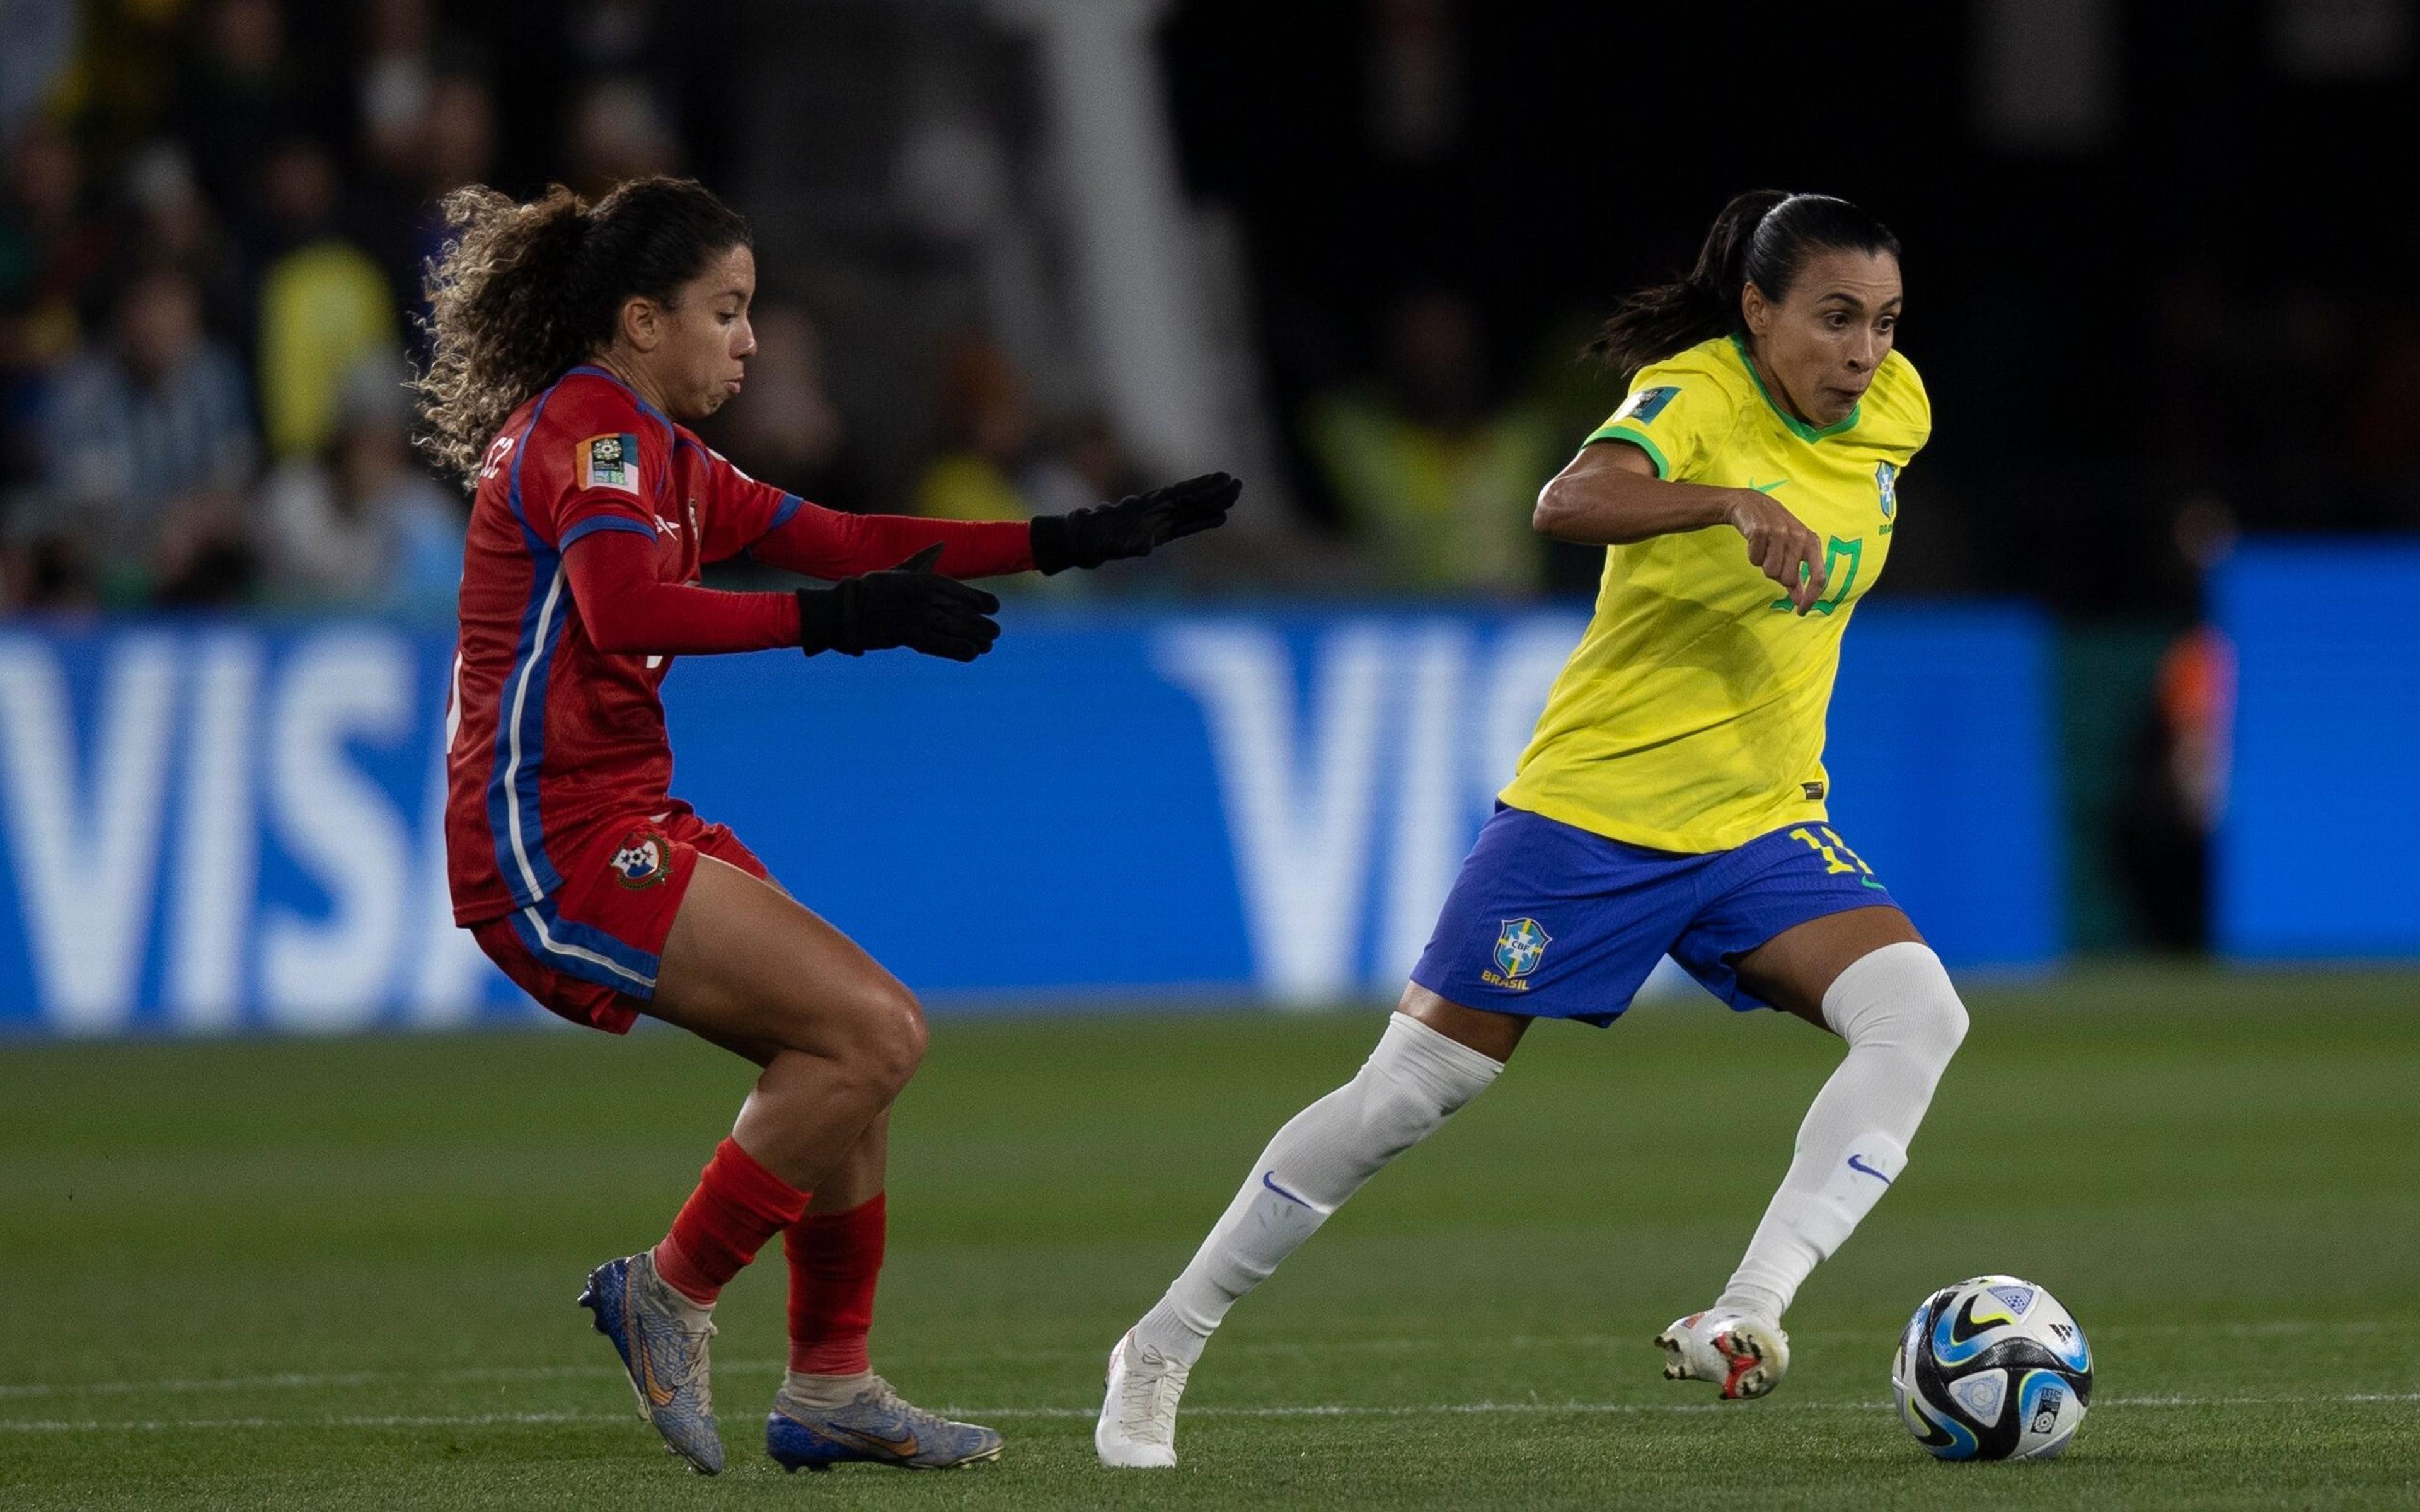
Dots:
(1745, 1353)
(1137, 1426)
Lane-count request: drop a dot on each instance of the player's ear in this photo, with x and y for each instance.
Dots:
(643, 322)
(1755, 309)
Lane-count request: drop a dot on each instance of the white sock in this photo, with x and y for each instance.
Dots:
(1903, 1020)
(694, 1315)
(821, 1392)
(1411, 1083)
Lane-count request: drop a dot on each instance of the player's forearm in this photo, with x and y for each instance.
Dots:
(628, 612)
(1612, 506)
(828, 544)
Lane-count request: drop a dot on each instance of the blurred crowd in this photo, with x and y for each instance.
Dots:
(208, 237)
(213, 227)
(206, 262)
(215, 214)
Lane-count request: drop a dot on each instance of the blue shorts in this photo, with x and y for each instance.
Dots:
(1557, 922)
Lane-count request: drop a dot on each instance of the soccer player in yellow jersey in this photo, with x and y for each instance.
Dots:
(1672, 798)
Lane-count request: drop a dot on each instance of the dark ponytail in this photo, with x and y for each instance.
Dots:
(522, 292)
(1763, 237)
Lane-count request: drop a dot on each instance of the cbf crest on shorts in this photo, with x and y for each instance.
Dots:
(644, 859)
(1520, 944)
(609, 462)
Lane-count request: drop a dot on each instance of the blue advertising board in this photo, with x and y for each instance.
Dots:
(233, 826)
(2326, 754)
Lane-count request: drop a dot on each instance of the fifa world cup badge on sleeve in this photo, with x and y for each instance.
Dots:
(643, 860)
(609, 462)
(1644, 406)
(1520, 944)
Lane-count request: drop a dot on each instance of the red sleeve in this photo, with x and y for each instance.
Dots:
(783, 531)
(630, 611)
(830, 545)
(594, 458)
(739, 510)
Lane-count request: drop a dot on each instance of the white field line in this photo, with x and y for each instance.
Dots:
(330, 1381)
(337, 1381)
(1010, 1413)
(1656, 1409)
(473, 1420)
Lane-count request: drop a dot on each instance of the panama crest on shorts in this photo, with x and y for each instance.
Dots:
(1520, 944)
(643, 860)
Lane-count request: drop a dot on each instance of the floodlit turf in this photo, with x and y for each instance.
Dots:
(275, 1275)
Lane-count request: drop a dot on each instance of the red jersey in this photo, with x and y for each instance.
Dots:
(548, 736)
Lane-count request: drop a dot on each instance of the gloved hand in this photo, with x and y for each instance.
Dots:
(909, 604)
(1134, 526)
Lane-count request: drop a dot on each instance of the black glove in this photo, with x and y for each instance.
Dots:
(1132, 527)
(907, 605)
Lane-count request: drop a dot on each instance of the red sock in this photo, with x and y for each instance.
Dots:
(737, 1206)
(835, 1258)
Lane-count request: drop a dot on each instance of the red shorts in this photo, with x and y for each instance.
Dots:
(590, 951)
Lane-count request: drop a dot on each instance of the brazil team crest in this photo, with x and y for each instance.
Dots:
(644, 859)
(1520, 944)
(1886, 485)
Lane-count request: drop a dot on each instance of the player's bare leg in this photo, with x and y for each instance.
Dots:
(1435, 1056)
(838, 1036)
(1866, 975)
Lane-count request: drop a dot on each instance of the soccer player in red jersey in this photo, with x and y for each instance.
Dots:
(570, 345)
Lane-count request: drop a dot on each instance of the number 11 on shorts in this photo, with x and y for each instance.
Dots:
(1832, 847)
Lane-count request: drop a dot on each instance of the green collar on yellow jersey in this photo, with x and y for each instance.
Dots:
(1798, 427)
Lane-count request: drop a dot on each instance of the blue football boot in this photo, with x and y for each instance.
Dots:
(664, 1353)
(877, 1428)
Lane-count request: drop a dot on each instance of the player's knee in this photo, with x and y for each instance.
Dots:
(1946, 1023)
(1395, 1117)
(890, 1038)
(1934, 1019)
(908, 1036)
(1900, 996)
(1930, 1023)
(872, 1033)
(1416, 1079)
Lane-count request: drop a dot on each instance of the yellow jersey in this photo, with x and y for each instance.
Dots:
(1690, 719)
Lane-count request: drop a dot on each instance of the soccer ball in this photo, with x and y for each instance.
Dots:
(1992, 1368)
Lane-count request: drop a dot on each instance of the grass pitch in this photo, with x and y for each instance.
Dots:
(271, 1274)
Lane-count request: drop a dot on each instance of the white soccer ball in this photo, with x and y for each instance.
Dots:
(1992, 1368)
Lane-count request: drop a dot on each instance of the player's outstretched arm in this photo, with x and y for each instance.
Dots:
(830, 543)
(1134, 526)
(1609, 494)
(630, 611)
(815, 542)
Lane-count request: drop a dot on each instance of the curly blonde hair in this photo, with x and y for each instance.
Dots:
(522, 292)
